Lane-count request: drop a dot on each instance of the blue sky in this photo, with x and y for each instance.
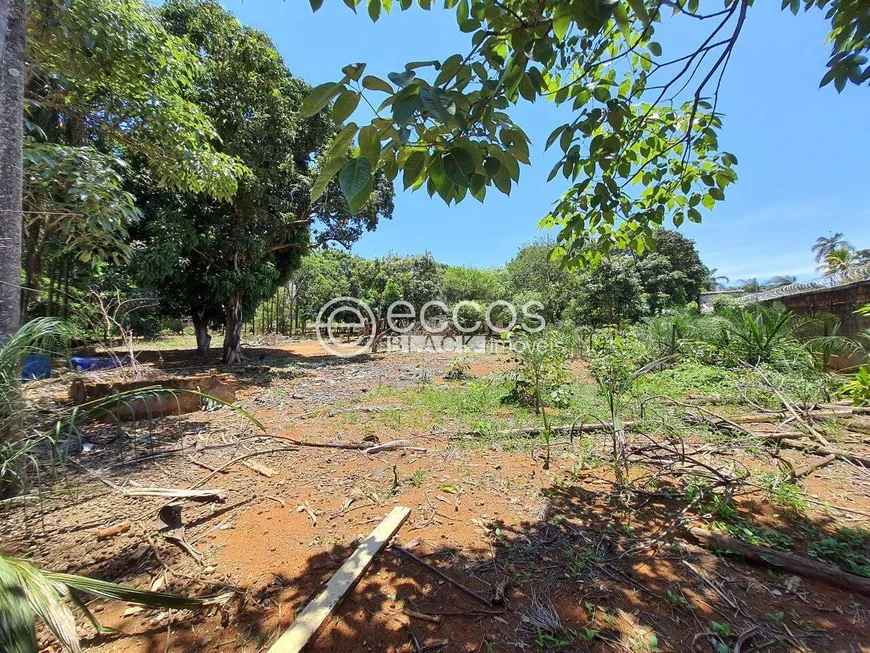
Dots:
(802, 150)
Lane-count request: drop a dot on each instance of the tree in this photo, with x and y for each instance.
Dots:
(825, 245)
(715, 281)
(671, 272)
(13, 18)
(642, 146)
(461, 283)
(533, 275)
(781, 280)
(838, 261)
(324, 275)
(609, 294)
(221, 259)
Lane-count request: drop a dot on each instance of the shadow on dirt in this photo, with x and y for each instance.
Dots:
(583, 576)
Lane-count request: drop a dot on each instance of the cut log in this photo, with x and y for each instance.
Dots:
(790, 562)
(157, 404)
(819, 450)
(316, 612)
(564, 429)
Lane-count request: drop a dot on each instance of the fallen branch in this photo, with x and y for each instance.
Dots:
(174, 493)
(239, 459)
(309, 512)
(562, 429)
(441, 574)
(781, 560)
(404, 445)
(261, 469)
(112, 531)
(432, 618)
(806, 470)
(818, 450)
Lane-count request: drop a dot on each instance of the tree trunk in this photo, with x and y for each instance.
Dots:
(13, 21)
(233, 331)
(203, 339)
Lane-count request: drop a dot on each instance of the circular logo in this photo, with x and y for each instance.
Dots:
(361, 316)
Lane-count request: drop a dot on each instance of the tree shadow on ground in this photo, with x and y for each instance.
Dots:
(579, 577)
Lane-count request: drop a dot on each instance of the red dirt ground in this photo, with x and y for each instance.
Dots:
(486, 513)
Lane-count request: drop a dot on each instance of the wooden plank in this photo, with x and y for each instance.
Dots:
(317, 611)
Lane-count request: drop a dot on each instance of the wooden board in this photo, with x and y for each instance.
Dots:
(316, 612)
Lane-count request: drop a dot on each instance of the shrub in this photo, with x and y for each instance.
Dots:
(858, 389)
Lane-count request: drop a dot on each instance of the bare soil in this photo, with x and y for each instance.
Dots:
(618, 571)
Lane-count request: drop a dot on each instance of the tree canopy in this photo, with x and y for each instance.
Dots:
(219, 259)
(642, 146)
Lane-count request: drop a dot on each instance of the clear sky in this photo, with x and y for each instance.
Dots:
(803, 151)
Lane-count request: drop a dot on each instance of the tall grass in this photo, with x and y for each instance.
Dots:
(41, 336)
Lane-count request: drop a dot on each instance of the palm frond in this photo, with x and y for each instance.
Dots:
(46, 601)
(26, 592)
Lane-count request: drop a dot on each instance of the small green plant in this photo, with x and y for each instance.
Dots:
(847, 547)
(613, 365)
(678, 599)
(458, 368)
(783, 493)
(723, 630)
(588, 633)
(858, 389)
(581, 559)
(417, 478)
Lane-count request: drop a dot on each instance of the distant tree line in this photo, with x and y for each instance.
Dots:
(623, 287)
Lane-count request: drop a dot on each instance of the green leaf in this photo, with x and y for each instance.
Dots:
(448, 69)
(402, 79)
(458, 166)
(354, 177)
(315, 4)
(374, 10)
(370, 144)
(434, 99)
(414, 166)
(354, 70)
(338, 150)
(655, 48)
(562, 21)
(326, 174)
(345, 105)
(376, 84)
(319, 98)
(130, 594)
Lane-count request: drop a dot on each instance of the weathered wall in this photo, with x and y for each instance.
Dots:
(842, 301)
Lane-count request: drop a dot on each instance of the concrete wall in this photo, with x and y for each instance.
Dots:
(842, 301)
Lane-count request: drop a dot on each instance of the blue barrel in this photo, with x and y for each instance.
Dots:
(36, 366)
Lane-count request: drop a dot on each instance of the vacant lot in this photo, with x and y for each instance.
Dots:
(552, 555)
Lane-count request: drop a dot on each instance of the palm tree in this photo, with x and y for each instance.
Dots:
(825, 246)
(837, 261)
(714, 281)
